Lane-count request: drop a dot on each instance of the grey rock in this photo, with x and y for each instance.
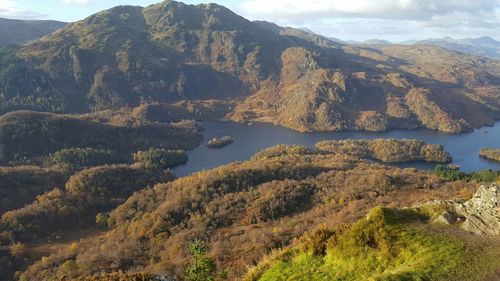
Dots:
(480, 214)
(164, 278)
(446, 218)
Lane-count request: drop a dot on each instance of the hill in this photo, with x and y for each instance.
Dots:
(388, 244)
(32, 137)
(18, 32)
(170, 52)
(65, 214)
(20, 185)
(241, 211)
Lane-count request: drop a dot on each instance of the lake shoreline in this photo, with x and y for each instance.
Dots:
(249, 139)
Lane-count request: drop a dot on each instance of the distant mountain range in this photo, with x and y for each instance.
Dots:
(15, 32)
(481, 46)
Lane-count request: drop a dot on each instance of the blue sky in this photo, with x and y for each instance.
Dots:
(394, 20)
(72, 10)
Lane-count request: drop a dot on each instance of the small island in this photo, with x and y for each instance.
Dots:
(387, 150)
(220, 142)
(490, 153)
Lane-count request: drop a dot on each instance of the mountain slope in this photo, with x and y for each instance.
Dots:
(16, 32)
(170, 51)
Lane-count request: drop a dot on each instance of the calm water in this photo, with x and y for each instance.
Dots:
(464, 148)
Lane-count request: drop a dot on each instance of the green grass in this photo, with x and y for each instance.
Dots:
(387, 245)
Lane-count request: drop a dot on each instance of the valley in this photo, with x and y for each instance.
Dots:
(180, 142)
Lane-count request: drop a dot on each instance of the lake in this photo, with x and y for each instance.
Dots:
(464, 148)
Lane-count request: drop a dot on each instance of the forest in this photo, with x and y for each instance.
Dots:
(241, 212)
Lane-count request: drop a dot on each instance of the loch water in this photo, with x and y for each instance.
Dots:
(249, 139)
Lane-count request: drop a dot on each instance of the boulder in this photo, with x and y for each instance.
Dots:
(479, 215)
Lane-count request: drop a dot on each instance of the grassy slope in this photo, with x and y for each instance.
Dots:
(386, 245)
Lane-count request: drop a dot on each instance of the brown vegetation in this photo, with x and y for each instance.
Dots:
(490, 153)
(27, 136)
(20, 185)
(243, 210)
(387, 150)
(85, 194)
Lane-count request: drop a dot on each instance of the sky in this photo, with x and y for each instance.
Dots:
(393, 20)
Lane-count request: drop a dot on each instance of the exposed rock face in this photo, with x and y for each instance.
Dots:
(480, 214)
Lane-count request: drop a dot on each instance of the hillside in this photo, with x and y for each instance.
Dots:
(172, 52)
(241, 211)
(20, 185)
(32, 137)
(17, 32)
(387, 150)
(68, 212)
(388, 244)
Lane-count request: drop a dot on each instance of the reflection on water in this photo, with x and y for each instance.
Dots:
(464, 148)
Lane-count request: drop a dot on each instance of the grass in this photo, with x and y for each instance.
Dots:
(387, 245)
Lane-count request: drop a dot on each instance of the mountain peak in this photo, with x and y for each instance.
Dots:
(199, 16)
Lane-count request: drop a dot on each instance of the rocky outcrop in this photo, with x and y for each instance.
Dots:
(480, 214)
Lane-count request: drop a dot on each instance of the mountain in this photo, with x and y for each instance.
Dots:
(170, 52)
(375, 42)
(17, 32)
(482, 46)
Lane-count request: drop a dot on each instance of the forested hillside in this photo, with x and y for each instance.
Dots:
(33, 137)
(242, 211)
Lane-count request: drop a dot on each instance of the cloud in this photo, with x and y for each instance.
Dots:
(384, 9)
(78, 2)
(8, 9)
(467, 15)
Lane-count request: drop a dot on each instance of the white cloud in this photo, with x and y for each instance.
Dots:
(78, 2)
(466, 15)
(399, 9)
(9, 9)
